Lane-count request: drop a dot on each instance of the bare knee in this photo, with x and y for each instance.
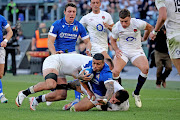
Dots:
(145, 70)
(51, 85)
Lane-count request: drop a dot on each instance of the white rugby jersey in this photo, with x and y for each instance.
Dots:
(173, 16)
(94, 24)
(130, 37)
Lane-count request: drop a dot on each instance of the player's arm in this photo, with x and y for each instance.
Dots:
(110, 90)
(147, 29)
(33, 44)
(88, 46)
(51, 47)
(115, 47)
(161, 19)
(109, 27)
(8, 36)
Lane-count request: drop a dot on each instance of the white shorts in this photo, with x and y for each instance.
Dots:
(132, 54)
(98, 49)
(53, 63)
(2, 55)
(174, 47)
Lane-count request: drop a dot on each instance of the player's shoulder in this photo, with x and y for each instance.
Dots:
(116, 26)
(105, 13)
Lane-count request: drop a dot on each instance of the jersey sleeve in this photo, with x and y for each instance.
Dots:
(86, 65)
(114, 32)
(83, 33)
(83, 21)
(4, 22)
(53, 29)
(141, 25)
(110, 20)
(107, 76)
(160, 3)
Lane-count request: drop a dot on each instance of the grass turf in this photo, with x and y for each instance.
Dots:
(158, 104)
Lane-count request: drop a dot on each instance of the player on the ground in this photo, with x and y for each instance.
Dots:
(103, 87)
(170, 15)
(128, 30)
(3, 43)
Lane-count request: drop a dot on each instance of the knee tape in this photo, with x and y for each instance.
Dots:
(51, 76)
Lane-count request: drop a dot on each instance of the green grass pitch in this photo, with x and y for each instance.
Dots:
(158, 104)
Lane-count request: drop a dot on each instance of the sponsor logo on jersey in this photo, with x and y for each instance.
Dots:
(135, 30)
(68, 35)
(103, 17)
(75, 28)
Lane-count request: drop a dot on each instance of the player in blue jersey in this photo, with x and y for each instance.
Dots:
(64, 33)
(101, 88)
(3, 43)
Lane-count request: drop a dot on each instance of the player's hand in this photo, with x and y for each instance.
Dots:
(3, 44)
(59, 52)
(106, 25)
(118, 53)
(152, 36)
(91, 96)
(84, 77)
(88, 52)
(102, 102)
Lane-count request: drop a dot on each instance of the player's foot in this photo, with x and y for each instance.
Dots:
(68, 106)
(48, 103)
(158, 86)
(164, 84)
(33, 103)
(20, 98)
(137, 100)
(3, 99)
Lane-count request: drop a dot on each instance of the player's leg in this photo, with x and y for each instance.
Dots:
(168, 68)
(142, 63)
(50, 82)
(176, 63)
(105, 54)
(119, 64)
(84, 105)
(159, 66)
(2, 61)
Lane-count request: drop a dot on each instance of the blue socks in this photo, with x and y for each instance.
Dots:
(77, 95)
(141, 81)
(1, 89)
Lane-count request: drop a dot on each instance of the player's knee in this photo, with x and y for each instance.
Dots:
(51, 85)
(116, 72)
(1, 76)
(145, 70)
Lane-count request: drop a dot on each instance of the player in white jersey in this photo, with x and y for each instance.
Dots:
(98, 23)
(128, 30)
(54, 66)
(169, 13)
(118, 102)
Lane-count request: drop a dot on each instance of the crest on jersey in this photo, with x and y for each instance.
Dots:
(103, 17)
(75, 28)
(97, 76)
(63, 26)
(135, 30)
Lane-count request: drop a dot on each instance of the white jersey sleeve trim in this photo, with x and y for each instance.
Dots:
(54, 35)
(83, 38)
(108, 81)
(7, 26)
(160, 3)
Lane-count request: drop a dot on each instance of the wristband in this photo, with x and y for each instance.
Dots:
(6, 40)
(154, 32)
(105, 101)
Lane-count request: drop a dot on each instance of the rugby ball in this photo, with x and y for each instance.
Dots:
(87, 71)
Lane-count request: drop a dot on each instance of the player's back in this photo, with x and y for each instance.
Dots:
(70, 62)
(173, 16)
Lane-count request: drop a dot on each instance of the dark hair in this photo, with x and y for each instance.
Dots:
(70, 5)
(110, 61)
(121, 95)
(98, 56)
(124, 13)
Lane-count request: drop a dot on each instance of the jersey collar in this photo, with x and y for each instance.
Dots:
(67, 23)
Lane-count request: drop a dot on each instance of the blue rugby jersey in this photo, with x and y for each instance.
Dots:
(99, 79)
(67, 34)
(3, 24)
